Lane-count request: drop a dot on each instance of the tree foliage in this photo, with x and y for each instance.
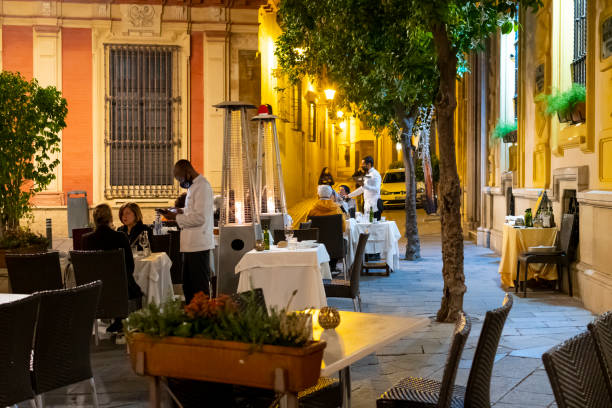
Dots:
(31, 118)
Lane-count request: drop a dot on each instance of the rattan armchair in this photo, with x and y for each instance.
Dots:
(17, 322)
(575, 374)
(61, 342)
(426, 392)
(601, 329)
(29, 273)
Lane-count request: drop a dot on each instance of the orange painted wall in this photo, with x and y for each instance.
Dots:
(17, 50)
(77, 144)
(197, 100)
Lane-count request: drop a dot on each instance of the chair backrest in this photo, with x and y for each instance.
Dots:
(108, 267)
(176, 270)
(305, 225)
(77, 237)
(355, 270)
(29, 273)
(242, 297)
(330, 233)
(63, 334)
(161, 243)
(301, 234)
(601, 329)
(17, 322)
(477, 393)
(567, 234)
(460, 335)
(575, 374)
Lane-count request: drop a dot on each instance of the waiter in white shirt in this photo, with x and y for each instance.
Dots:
(196, 223)
(370, 189)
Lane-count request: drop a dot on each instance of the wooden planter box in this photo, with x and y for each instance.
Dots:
(564, 117)
(579, 113)
(35, 249)
(510, 137)
(225, 361)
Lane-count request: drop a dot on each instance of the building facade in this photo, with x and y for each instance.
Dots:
(565, 42)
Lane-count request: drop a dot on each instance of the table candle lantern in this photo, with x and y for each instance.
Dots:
(238, 220)
(329, 318)
(270, 191)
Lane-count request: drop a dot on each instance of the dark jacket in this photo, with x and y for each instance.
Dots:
(135, 232)
(326, 179)
(104, 238)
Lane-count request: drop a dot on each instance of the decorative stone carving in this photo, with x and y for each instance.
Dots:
(141, 19)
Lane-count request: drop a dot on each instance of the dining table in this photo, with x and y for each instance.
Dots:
(280, 272)
(383, 240)
(517, 240)
(152, 274)
(357, 336)
(11, 297)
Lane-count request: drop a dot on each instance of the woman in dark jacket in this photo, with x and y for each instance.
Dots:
(326, 178)
(105, 238)
(131, 218)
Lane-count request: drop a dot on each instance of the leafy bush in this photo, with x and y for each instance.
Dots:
(503, 128)
(20, 237)
(221, 319)
(562, 102)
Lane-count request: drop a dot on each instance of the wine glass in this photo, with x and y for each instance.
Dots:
(288, 233)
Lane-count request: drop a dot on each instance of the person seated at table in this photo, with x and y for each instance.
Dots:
(105, 238)
(131, 218)
(347, 204)
(325, 205)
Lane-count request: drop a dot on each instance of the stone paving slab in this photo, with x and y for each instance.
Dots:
(535, 324)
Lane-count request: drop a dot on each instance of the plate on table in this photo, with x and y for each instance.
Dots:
(309, 242)
(544, 249)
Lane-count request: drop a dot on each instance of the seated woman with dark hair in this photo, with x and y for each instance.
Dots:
(105, 238)
(131, 218)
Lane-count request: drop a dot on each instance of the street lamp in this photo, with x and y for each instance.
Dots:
(329, 94)
(398, 146)
(339, 114)
(342, 125)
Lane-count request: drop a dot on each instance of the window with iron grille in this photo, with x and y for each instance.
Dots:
(142, 106)
(580, 42)
(295, 113)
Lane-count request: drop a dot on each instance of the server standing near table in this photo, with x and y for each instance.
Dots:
(196, 223)
(370, 188)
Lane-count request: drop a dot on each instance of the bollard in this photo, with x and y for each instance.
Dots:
(49, 233)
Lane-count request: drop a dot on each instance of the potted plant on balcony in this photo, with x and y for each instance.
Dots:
(31, 118)
(214, 340)
(505, 131)
(569, 105)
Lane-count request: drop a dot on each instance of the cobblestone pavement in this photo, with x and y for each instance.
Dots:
(534, 325)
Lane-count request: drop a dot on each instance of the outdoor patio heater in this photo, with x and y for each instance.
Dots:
(271, 203)
(239, 219)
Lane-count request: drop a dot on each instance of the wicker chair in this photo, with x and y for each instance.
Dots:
(477, 393)
(300, 234)
(161, 243)
(601, 329)
(575, 374)
(17, 321)
(425, 392)
(176, 270)
(29, 273)
(350, 288)
(108, 267)
(562, 257)
(61, 343)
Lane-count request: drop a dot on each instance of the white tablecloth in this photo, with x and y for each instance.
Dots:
(280, 271)
(383, 240)
(152, 274)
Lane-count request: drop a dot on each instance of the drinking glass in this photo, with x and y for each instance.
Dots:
(288, 233)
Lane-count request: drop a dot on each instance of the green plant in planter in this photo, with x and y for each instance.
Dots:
(221, 319)
(562, 103)
(21, 237)
(31, 118)
(503, 128)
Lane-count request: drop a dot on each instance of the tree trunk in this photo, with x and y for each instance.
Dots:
(449, 195)
(413, 244)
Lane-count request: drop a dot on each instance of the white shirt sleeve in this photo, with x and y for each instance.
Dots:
(196, 204)
(356, 192)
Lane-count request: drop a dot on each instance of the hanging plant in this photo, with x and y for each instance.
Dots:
(568, 105)
(506, 131)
